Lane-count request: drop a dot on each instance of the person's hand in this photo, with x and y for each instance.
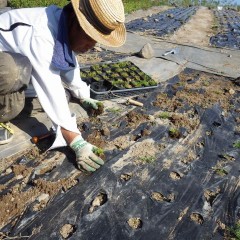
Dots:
(90, 103)
(85, 157)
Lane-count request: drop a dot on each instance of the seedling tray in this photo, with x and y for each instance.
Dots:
(112, 80)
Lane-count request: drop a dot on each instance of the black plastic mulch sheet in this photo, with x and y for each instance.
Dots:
(189, 190)
(229, 35)
(162, 23)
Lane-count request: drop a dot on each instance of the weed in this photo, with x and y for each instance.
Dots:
(236, 231)
(221, 172)
(147, 159)
(236, 144)
(164, 115)
(114, 110)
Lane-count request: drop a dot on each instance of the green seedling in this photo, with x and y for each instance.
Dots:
(124, 74)
(144, 83)
(152, 83)
(83, 75)
(92, 74)
(98, 151)
(164, 115)
(96, 78)
(236, 144)
(174, 133)
(114, 75)
(147, 159)
(96, 67)
(118, 70)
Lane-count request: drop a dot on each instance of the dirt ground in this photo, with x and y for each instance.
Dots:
(18, 196)
(197, 30)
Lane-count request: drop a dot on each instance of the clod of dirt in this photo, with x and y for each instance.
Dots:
(98, 111)
(135, 223)
(145, 132)
(134, 118)
(21, 170)
(211, 195)
(67, 230)
(159, 197)
(96, 139)
(126, 177)
(99, 200)
(197, 218)
(105, 131)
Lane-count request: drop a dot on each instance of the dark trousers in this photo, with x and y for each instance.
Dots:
(15, 73)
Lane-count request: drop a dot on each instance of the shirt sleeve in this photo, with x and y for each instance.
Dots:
(75, 84)
(49, 88)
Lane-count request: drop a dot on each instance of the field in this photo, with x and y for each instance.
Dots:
(171, 167)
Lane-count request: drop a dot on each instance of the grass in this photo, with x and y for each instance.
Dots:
(129, 5)
(236, 231)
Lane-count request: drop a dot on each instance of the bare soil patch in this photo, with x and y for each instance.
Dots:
(198, 30)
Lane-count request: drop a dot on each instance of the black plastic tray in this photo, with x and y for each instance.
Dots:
(120, 93)
(103, 85)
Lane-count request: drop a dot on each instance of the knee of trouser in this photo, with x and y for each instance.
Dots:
(11, 105)
(15, 72)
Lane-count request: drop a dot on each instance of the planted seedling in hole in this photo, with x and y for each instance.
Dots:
(98, 151)
(174, 133)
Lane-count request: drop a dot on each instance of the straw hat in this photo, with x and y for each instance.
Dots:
(102, 20)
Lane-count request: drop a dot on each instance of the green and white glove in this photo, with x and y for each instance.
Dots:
(85, 157)
(90, 103)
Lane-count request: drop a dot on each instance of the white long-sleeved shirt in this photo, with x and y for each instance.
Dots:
(36, 41)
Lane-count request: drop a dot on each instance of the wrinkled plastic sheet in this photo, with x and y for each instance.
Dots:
(125, 199)
(217, 61)
(162, 23)
(229, 24)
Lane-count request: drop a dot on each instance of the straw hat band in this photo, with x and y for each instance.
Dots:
(86, 9)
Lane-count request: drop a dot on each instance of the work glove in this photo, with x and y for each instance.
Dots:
(90, 103)
(85, 157)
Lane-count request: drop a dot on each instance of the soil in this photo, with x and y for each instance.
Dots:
(198, 30)
(22, 190)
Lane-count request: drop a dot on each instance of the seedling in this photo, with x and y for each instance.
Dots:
(174, 133)
(98, 151)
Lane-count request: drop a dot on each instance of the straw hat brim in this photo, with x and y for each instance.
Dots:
(115, 39)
